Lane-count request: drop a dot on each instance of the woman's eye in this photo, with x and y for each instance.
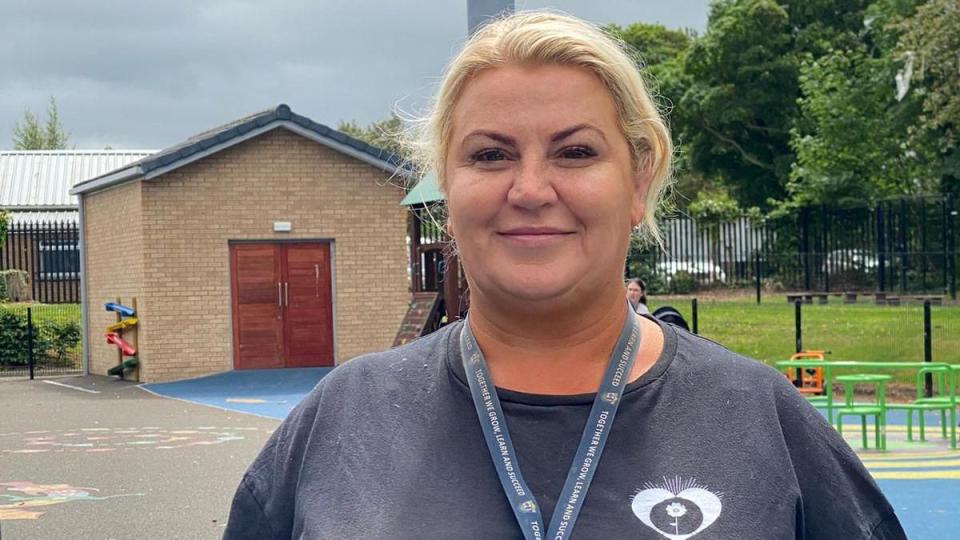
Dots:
(489, 155)
(577, 152)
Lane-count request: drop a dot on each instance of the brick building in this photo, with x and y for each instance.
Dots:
(272, 241)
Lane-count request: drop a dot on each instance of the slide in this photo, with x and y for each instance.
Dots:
(123, 325)
(115, 339)
(122, 310)
(129, 363)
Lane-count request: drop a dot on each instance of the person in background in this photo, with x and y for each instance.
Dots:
(637, 295)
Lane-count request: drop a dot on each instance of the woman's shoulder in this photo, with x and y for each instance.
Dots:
(704, 359)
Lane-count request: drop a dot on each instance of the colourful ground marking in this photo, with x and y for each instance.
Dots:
(21, 495)
(118, 439)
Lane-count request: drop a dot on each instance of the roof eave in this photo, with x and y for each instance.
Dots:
(112, 179)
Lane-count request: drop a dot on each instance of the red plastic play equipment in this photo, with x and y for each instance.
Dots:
(115, 339)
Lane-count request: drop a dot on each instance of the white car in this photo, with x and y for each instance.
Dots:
(699, 270)
(840, 260)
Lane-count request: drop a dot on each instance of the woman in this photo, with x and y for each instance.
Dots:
(520, 423)
(637, 295)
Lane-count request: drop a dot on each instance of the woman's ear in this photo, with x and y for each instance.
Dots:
(638, 202)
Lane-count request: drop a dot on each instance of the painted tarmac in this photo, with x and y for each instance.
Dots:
(921, 479)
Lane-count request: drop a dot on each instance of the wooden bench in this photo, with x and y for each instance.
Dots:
(807, 297)
(849, 298)
(934, 300)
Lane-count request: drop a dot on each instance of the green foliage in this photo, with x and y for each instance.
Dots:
(682, 282)
(29, 135)
(386, 134)
(57, 339)
(714, 206)
(932, 35)
(736, 113)
(641, 263)
(4, 224)
(63, 337)
(852, 144)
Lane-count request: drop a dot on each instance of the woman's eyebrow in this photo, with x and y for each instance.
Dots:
(499, 137)
(560, 135)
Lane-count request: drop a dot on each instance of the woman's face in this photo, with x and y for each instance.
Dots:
(634, 292)
(541, 189)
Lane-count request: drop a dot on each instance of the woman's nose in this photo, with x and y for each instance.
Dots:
(532, 186)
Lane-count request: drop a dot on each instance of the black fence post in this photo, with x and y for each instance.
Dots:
(953, 249)
(881, 254)
(927, 348)
(756, 270)
(904, 256)
(798, 332)
(30, 341)
(798, 327)
(693, 308)
(805, 246)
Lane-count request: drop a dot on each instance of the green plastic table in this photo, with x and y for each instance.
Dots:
(829, 366)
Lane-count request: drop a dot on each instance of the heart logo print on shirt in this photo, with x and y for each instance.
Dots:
(675, 509)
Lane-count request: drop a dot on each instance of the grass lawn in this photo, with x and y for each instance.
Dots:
(861, 331)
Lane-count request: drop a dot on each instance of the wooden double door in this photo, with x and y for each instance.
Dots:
(282, 304)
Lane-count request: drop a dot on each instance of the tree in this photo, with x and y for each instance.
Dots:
(386, 134)
(932, 36)
(737, 114)
(852, 143)
(28, 135)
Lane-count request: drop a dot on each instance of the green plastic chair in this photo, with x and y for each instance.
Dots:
(876, 408)
(944, 400)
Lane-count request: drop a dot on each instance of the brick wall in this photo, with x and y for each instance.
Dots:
(188, 217)
(113, 250)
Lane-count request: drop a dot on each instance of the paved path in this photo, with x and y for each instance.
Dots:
(98, 458)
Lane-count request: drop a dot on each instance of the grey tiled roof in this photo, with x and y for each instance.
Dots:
(238, 128)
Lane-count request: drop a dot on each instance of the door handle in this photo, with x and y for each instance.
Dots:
(279, 296)
(286, 293)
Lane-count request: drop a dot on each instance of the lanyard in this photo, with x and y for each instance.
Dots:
(594, 437)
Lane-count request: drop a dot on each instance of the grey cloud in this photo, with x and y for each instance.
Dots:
(148, 74)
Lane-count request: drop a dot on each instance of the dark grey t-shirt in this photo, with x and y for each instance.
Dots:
(706, 445)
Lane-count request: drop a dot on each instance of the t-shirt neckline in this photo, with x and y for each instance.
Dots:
(656, 371)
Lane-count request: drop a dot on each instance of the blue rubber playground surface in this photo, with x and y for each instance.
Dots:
(272, 393)
(921, 479)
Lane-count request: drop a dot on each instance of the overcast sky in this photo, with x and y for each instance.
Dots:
(146, 74)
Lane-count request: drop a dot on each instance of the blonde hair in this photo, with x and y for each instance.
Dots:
(539, 37)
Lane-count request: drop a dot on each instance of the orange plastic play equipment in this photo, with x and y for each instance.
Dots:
(811, 379)
(115, 339)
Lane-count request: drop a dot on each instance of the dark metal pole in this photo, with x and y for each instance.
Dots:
(756, 271)
(30, 341)
(904, 258)
(798, 326)
(953, 250)
(693, 306)
(881, 255)
(927, 348)
(798, 377)
(805, 246)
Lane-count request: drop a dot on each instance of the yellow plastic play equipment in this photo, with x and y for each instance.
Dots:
(123, 325)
